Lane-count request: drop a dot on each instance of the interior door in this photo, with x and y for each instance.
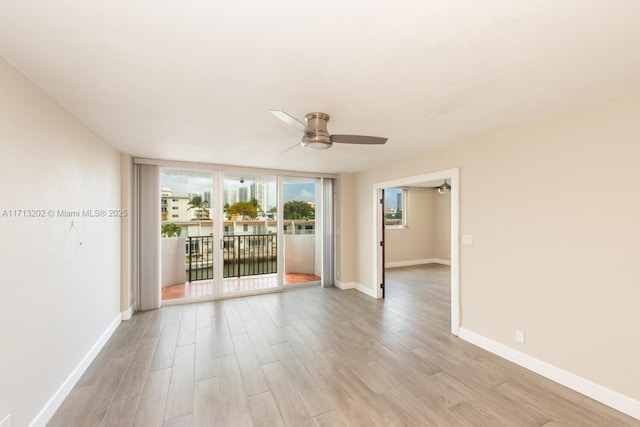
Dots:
(382, 247)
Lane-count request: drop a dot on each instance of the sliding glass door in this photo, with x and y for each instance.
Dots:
(235, 233)
(302, 231)
(187, 243)
(250, 234)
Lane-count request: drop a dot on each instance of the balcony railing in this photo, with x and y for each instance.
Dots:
(243, 255)
(199, 253)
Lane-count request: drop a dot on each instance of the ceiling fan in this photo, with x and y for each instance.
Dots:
(315, 132)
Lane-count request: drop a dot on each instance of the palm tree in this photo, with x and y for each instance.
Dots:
(170, 230)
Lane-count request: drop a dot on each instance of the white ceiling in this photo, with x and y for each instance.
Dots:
(195, 79)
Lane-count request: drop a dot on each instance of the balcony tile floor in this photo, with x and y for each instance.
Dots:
(234, 284)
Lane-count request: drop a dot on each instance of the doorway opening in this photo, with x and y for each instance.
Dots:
(187, 233)
(250, 233)
(302, 236)
(410, 228)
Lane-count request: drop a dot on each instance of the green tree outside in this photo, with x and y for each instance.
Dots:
(170, 230)
(243, 209)
(298, 209)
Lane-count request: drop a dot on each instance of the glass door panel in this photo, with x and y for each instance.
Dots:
(250, 239)
(302, 236)
(187, 247)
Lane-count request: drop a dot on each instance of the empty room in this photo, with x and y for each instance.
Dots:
(337, 214)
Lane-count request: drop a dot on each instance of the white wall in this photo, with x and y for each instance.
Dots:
(60, 286)
(415, 243)
(300, 253)
(555, 250)
(346, 222)
(427, 237)
(442, 227)
(172, 261)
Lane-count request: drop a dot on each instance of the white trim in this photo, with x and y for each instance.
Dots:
(357, 286)
(230, 168)
(416, 262)
(408, 263)
(595, 391)
(126, 315)
(379, 232)
(373, 293)
(280, 248)
(50, 408)
(454, 176)
(345, 285)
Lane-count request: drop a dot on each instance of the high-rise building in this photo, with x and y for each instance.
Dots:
(260, 192)
(230, 197)
(243, 194)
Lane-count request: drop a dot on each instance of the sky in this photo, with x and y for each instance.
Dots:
(182, 183)
(391, 197)
(299, 191)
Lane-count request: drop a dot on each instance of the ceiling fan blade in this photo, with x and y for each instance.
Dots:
(290, 148)
(357, 139)
(291, 121)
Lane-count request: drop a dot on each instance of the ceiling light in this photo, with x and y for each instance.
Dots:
(444, 188)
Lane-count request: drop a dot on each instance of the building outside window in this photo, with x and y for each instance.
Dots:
(395, 203)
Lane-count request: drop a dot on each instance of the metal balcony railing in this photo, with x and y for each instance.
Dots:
(243, 255)
(199, 258)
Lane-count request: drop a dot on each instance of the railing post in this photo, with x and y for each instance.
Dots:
(239, 256)
(189, 255)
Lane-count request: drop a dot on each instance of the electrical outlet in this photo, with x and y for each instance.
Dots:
(520, 337)
(6, 422)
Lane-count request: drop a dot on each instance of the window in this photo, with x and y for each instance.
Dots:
(175, 216)
(245, 227)
(395, 203)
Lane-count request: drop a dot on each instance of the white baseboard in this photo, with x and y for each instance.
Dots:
(126, 315)
(344, 285)
(595, 391)
(44, 416)
(417, 262)
(357, 286)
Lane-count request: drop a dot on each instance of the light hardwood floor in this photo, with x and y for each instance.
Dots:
(318, 357)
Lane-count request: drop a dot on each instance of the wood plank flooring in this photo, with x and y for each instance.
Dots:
(316, 357)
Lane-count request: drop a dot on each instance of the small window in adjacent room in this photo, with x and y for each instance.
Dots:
(395, 203)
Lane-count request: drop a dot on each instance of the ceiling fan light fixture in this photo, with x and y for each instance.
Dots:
(444, 188)
(316, 145)
(319, 140)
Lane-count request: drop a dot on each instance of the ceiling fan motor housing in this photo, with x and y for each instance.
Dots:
(319, 138)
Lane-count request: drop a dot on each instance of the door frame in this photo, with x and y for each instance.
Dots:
(453, 175)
